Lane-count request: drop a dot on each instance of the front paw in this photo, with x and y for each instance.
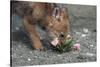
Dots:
(40, 48)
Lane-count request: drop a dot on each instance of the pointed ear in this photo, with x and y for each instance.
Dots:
(56, 12)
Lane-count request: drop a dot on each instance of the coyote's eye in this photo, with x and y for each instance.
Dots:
(61, 34)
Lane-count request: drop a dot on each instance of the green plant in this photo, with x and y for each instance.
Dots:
(65, 47)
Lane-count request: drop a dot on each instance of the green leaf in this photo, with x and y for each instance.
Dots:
(66, 46)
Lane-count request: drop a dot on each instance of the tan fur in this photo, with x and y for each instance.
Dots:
(43, 12)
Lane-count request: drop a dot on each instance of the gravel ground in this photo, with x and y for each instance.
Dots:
(83, 28)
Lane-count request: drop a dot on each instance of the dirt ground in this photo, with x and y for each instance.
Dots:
(83, 28)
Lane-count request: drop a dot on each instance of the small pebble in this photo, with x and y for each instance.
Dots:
(58, 55)
(91, 45)
(89, 54)
(83, 35)
(85, 30)
(17, 28)
(78, 33)
(77, 40)
(19, 46)
(21, 56)
(29, 59)
(30, 51)
(35, 57)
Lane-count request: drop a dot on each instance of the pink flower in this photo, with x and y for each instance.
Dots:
(55, 42)
(76, 46)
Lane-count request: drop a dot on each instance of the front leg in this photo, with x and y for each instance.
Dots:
(33, 34)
